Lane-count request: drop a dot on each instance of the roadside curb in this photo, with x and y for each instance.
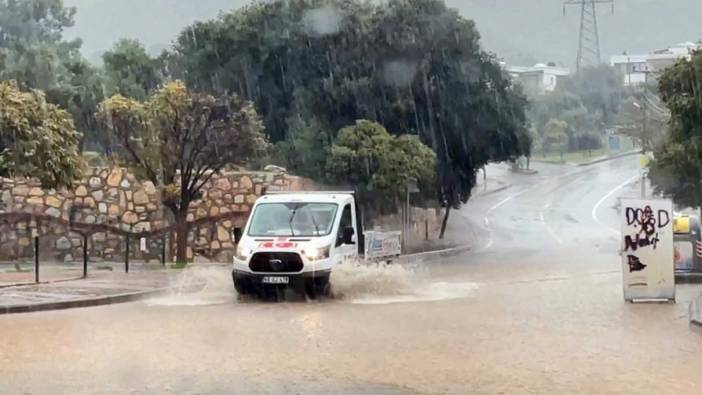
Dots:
(490, 192)
(430, 255)
(695, 313)
(596, 161)
(85, 302)
(688, 278)
(526, 172)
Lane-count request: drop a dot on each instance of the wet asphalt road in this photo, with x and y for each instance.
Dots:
(535, 308)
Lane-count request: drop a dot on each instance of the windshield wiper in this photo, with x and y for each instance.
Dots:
(314, 222)
(292, 216)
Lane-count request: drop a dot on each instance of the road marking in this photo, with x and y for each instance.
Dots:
(607, 196)
(522, 192)
(548, 228)
(495, 207)
(530, 187)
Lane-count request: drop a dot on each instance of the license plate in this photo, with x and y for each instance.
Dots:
(276, 280)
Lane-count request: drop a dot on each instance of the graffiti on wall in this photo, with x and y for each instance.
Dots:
(647, 249)
(646, 224)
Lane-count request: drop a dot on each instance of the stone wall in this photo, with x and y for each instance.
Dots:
(116, 199)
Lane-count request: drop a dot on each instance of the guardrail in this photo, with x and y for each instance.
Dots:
(87, 230)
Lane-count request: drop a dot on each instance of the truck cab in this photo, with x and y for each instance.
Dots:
(295, 239)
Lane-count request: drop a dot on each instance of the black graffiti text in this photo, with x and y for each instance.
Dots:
(635, 265)
(647, 223)
(639, 241)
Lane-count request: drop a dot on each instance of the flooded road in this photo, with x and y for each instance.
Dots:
(523, 313)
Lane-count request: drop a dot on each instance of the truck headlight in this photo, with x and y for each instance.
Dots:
(242, 253)
(315, 254)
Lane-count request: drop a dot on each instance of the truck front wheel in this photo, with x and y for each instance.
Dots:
(318, 287)
(242, 286)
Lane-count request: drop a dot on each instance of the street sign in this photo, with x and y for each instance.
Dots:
(382, 244)
(644, 160)
(647, 249)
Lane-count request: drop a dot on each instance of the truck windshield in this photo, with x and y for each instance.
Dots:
(293, 219)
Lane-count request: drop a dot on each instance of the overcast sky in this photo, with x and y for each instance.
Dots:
(522, 31)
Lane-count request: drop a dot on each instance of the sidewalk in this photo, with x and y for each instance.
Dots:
(99, 289)
(497, 180)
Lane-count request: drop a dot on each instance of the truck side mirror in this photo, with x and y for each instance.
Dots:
(237, 235)
(349, 232)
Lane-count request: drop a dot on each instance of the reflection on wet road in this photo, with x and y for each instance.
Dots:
(532, 310)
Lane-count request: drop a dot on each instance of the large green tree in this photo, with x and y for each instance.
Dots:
(374, 162)
(37, 139)
(315, 66)
(179, 139)
(130, 71)
(677, 168)
(34, 54)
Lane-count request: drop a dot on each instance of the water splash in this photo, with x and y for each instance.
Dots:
(387, 284)
(199, 286)
(431, 292)
(352, 279)
(352, 282)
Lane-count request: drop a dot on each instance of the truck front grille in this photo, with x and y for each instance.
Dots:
(276, 262)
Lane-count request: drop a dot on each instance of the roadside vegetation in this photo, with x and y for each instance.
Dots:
(376, 96)
(676, 171)
(573, 120)
(412, 72)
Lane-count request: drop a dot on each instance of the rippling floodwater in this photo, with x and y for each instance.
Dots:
(351, 283)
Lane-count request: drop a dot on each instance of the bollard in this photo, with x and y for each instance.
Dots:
(36, 259)
(85, 256)
(163, 250)
(126, 256)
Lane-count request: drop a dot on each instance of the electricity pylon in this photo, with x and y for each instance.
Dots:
(589, 42)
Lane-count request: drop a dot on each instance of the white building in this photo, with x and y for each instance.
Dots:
(538, 79)
(632, 67)
(636, 67)
(663, 58)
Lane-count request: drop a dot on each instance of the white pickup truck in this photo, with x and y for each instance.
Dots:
(296, 239)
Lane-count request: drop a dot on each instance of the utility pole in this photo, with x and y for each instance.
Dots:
(644, 129)
(589, 40)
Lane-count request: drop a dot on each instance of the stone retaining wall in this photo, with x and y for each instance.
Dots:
(114, 197)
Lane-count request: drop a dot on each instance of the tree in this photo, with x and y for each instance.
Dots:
(413, 66)
(555, 135)
(307, 146)
(644, 120)
(37, 139)
(179, 139)
(677, 168)
(31, 45)
(34, 54)
(81, 90)
(601, 89)
(366, 156)
(130, 71)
